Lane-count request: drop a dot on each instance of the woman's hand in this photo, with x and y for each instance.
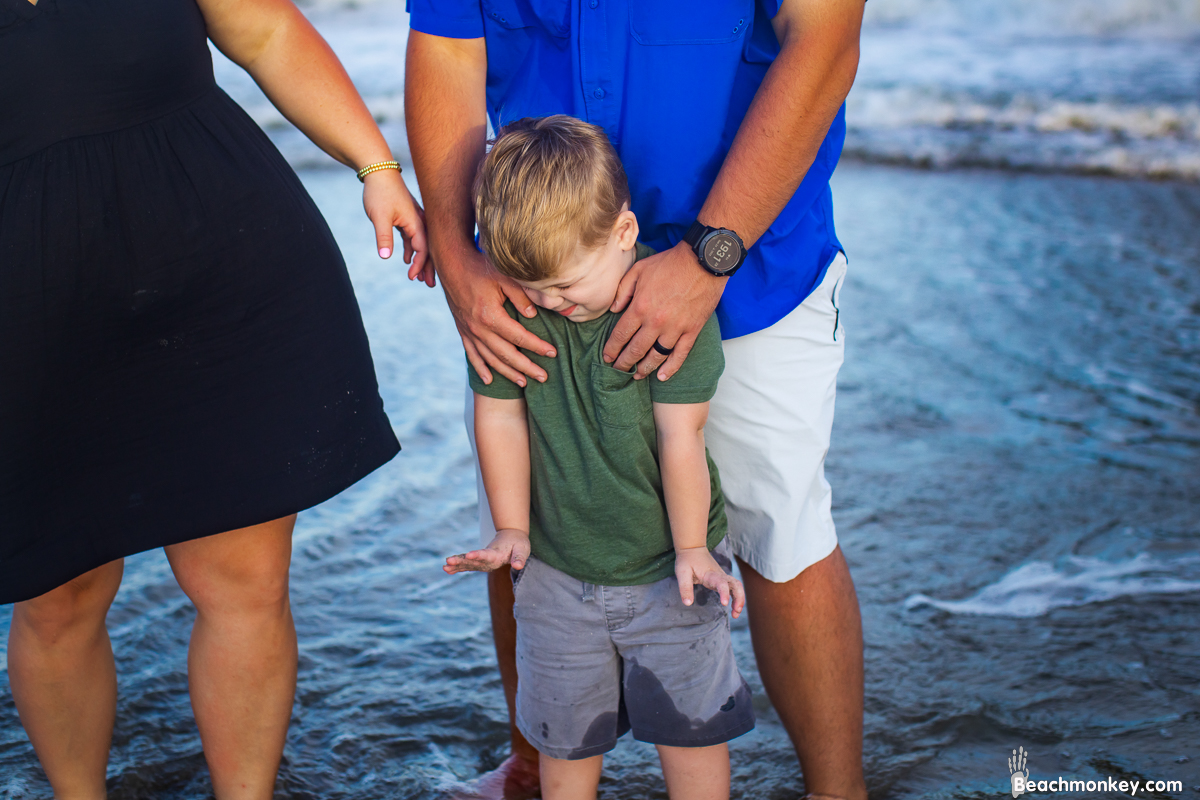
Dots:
(389, 205)
(696, 565)
(510, 546)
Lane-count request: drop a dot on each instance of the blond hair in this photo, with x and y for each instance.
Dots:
(547, 187)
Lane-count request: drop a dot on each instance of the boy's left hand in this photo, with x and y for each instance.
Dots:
(696, 565)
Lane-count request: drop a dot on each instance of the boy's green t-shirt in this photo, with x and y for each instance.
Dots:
(597, 511)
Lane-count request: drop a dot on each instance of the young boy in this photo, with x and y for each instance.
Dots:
(604, 500)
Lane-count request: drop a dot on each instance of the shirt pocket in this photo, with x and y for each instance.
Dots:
(551, 16)
(665, 22)
(621, 402)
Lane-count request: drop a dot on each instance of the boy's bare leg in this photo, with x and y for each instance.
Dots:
(570, 780)
(807, 636)
(64, 681)
(242, 659)
(696, 773)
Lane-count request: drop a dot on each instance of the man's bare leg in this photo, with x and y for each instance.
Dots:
(242, 659)
(517, 778)
(807, 636)
(64, 681)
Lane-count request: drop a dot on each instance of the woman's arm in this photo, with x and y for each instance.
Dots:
(300, 74)
(687, 489)
(502, 442)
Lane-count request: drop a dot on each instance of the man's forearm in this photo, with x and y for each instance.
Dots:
(445, 103)
(791, 113)
(446, 113)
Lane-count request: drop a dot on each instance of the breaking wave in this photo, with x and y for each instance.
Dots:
(1036, 588)
(1100, 86)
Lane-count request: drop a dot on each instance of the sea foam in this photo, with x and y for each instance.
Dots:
(1036, 588)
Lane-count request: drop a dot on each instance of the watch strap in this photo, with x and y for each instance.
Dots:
(695, 233)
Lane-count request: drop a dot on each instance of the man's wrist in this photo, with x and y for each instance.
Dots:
(452, 250)
(720, 281)
(714, 286)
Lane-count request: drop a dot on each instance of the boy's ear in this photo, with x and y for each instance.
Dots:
(626, 229)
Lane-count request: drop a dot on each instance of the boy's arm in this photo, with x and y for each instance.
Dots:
(687, 490)
(502, 443)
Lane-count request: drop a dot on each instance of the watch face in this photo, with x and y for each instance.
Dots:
(722, 252)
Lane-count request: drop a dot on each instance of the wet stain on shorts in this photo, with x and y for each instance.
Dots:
(600, 735)
(670, 726)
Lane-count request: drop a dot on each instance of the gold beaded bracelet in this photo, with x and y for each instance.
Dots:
(369, 168)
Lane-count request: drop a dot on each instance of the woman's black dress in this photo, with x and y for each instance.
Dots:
(181, 352)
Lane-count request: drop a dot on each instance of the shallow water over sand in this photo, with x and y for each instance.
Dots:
(1016, 488)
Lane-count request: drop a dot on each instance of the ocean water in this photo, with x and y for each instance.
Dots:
(1015, 463)
(1092, 86)
(1103, 86)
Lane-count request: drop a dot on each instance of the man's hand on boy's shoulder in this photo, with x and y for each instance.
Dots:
(667, 299)
(510, 547)
(476, 293)
(696, 565)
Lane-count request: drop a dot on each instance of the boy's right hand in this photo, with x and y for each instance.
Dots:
(696, 565)
(511, 547)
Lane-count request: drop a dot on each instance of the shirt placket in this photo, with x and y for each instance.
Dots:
(599, 96)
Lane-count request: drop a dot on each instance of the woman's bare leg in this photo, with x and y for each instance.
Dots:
(696, 773)
(242, 659)
(64, 681)
(570, 780)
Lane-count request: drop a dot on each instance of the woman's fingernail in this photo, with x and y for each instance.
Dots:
(385, 252)
(550, 354)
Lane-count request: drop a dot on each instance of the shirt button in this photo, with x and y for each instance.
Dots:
(599, 94)
(595, 3)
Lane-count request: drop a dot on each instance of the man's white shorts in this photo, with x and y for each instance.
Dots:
(768, 432)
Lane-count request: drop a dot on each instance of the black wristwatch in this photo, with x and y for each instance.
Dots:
(719, 250)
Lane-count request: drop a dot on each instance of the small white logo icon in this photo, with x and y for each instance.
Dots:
(1018, 772)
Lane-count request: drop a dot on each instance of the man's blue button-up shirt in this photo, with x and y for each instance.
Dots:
(669, 81)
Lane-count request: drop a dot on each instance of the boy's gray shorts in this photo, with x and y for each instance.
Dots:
(596, 661)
